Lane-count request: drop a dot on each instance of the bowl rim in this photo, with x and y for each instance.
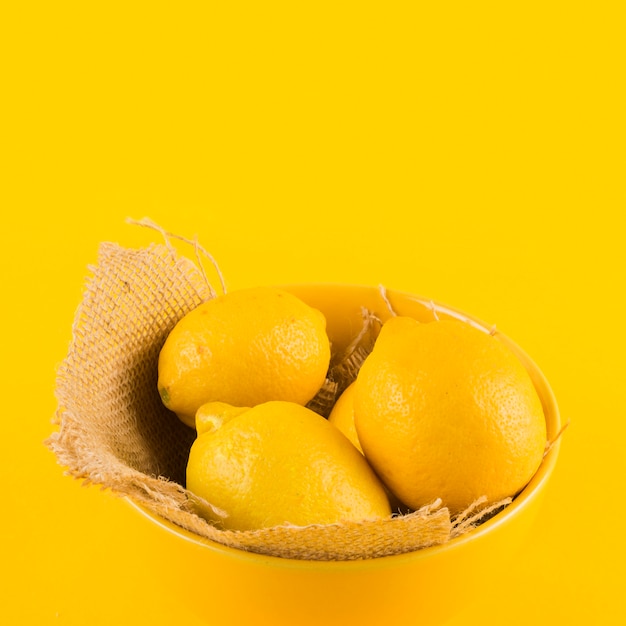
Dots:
(521, 501)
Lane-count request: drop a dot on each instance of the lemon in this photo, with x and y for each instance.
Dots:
(279, 463)
(444, 410)
(244, 348)
(342, 416)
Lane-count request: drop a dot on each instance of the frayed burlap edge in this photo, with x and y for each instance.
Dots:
(113, 448)
(345, 365)
(113, 430)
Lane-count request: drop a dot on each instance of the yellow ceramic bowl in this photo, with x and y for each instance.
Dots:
(228, 586)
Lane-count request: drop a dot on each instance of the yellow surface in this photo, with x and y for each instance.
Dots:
(471, 154)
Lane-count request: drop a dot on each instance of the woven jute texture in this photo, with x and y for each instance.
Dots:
(112, 429)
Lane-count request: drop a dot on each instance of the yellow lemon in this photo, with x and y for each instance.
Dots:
(342, 416)
(444, 410)
(279, 463)
(244, 348)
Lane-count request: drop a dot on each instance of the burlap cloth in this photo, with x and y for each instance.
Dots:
(113, 431)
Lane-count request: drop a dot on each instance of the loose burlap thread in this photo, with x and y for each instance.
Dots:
(113, 430)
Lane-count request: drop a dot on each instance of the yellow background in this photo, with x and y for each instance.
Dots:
(472, 153)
